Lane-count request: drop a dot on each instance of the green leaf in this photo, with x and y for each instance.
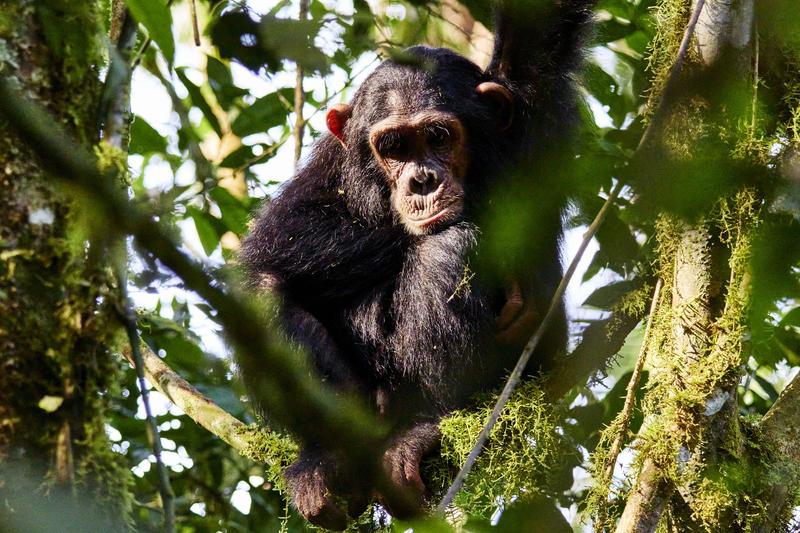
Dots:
(235, 214)
(617, 8)
(145, 139)
(534, 513)
(199, 100)
(791, 318)
(766, 386)
(292, 40)
(221, 82)
(266, 112)
(208, 228)
(607, 296)
(612, 30)
(238, 158)
(157, 18)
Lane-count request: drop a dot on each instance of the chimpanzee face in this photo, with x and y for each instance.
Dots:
(424, 157)
(409, 119)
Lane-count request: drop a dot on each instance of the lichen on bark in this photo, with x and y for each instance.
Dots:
(56, 317)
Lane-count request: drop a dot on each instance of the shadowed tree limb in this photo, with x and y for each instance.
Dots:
(304, 405)
(299, 98)
(115, 118)
(721, 27)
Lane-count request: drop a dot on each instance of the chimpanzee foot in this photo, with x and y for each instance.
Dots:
(401, 462)
(310, 481)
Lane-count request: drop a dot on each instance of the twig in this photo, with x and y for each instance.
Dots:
(516, 374)
(299, 98)
(633, 386)
(115, 114)
(115, 110)
(626, 413)
(137, 58)
(128, 318)
(195, 26)
(756, 54)
(204, 170)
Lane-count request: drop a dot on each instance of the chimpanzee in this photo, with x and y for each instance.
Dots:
(375, 247)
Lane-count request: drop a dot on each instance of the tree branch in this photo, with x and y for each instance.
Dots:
(135, 356)
(781, 428)
(191, 401)
(646, 501)
(305, 405)
(115, 115)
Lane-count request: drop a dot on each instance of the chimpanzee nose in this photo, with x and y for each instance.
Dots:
(424, 182)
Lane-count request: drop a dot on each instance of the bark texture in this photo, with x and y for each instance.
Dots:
(56, 320)
(692, 450)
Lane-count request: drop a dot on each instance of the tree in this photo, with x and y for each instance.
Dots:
(57, 305)
(688, 153)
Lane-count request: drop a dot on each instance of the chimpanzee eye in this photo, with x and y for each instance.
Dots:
(391, 144)
(438, 136)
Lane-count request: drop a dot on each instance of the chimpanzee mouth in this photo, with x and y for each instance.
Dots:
(426, 208)
(431, 219)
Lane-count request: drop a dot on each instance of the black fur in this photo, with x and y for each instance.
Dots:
(399, 318)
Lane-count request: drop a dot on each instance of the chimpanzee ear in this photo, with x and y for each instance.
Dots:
(501, 99)
(336, 119)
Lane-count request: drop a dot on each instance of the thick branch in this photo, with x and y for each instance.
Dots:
(781, 428)
(646, 501)
(191, 401)
(723, 25)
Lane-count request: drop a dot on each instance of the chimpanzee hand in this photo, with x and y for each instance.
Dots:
(322, 494)
(518, 318)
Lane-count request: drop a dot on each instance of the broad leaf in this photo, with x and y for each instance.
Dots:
(157, 18)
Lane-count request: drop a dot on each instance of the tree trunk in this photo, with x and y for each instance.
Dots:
(57, 470)
(688, 447)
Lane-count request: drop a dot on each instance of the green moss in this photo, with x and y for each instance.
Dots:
(522, 456)
(717, 462)
(273, 449)
(671, 17)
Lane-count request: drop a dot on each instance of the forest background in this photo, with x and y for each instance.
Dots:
(170, 123)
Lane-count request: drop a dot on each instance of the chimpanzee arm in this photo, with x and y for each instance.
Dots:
(538, 47)
(316, 250)
(537, 50)
(307, 247)
(307, 239)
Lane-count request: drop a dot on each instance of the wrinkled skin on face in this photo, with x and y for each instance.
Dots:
(425, 162)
